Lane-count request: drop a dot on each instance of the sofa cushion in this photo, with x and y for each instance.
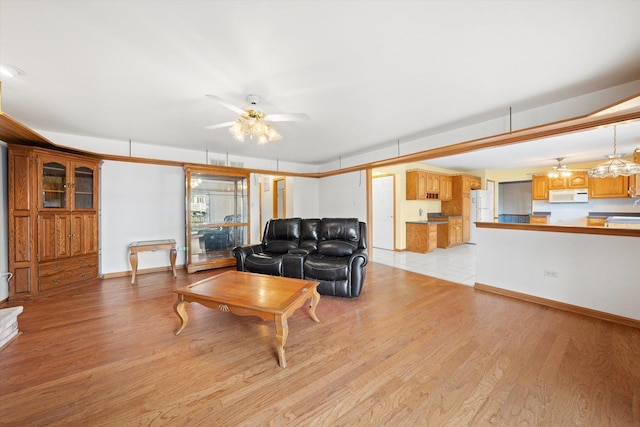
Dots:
(338, 248)
(309, 230)
(282, 235)
(322, 267)
(347, 229)
(264, 264)
(338, 236)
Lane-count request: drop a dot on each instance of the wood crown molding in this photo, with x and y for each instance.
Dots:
(12, 131)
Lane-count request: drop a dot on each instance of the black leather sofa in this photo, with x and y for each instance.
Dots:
(332, 251)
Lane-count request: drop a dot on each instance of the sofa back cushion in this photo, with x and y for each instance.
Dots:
(338, 236)
(309, 230)
(281, 235)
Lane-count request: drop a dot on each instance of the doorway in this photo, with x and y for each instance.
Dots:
(383, 208)
(279, 198)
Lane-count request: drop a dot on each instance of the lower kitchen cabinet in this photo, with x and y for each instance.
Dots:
(422, 237)
(539, 219)
(595, 222)
(450, 233)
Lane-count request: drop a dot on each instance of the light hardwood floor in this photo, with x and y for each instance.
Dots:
(411, 350)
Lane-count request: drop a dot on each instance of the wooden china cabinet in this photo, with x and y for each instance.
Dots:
(53, 219)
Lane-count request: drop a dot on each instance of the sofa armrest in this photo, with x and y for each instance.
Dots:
(293, 263)
(241, 253)
(360, 256)
(357, 264)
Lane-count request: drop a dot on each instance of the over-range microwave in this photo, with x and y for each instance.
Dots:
(571, 195)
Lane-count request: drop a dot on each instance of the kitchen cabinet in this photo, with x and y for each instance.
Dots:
(450, 233)
(540, 187)
(422, 185)
(446, 189)
(422, 236)
(539, 219)
(460, 203)
(595, 222)
(609, 188)
(53, 219)
(634, 180)
(577, 179)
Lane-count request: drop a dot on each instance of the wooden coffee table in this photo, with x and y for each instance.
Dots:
(248, 294)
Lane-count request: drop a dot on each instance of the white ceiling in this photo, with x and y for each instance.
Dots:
(366, 72)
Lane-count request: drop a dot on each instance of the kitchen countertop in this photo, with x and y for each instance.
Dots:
(541, 214)
(608, 214)
(427, 222)
(439, 217)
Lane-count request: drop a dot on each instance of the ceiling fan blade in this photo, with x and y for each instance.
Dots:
(221, 125)
(292, 117)
(226, 104)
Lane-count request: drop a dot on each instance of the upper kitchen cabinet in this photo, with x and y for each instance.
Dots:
(422, 185)
(634, 180)
(446, 189)
(540, 187)
(609, 188)
(578, 179)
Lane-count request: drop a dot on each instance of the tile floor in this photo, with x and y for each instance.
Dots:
(457, 264)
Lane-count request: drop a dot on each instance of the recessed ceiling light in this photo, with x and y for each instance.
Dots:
(8, 70)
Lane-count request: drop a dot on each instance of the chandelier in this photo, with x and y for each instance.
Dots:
(615, 166)
(559, 170)
(251, 124)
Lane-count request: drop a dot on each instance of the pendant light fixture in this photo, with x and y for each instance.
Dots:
(615, 166)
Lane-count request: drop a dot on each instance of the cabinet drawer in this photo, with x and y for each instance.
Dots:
(68, 277)
(61, 266)
(538, 220)
(596, 222)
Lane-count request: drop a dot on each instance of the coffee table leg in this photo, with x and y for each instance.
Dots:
(182, 313)
(282, 332)
(315, 299)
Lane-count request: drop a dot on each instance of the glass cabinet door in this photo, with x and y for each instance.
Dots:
(217, 216)
(83, 187)
(54, 185)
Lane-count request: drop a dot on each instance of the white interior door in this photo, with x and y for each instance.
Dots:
(383, 200)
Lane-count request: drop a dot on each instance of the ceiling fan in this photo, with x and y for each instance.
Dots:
(253, 122)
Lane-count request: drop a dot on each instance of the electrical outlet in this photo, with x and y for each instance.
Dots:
(551, 273)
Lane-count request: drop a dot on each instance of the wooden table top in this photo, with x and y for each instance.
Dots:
(272, 294)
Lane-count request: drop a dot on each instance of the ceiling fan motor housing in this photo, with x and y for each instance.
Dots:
(253, 99)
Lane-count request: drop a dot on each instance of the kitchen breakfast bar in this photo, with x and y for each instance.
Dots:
(589, 270)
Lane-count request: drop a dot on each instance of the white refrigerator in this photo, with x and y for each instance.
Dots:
(481, 211)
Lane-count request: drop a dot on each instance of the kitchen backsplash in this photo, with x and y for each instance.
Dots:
(576, 213)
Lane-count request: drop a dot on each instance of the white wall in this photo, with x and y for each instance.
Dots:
(305, 193)
(140, 202)
(4, 225)
(598, 272)
(344, 196)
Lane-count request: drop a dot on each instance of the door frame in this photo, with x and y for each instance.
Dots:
(370, 179)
